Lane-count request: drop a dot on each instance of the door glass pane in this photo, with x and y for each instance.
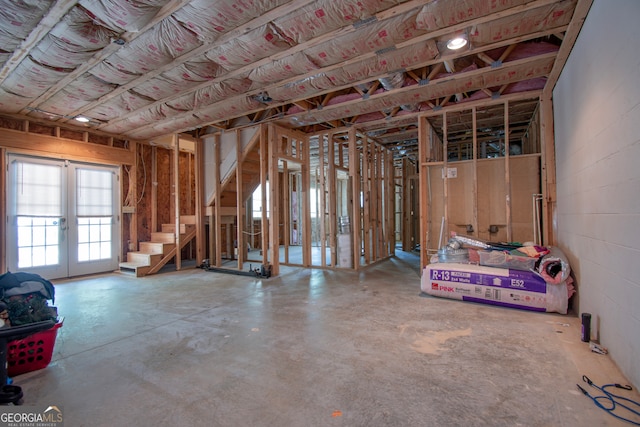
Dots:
(38, 240)
(38, 189)
(94, 238)
(94, 208)
(94, 192)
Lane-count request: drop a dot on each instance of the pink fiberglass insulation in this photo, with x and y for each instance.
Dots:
(179, 79)
(155, 48)
(211, 94)
(323, 16)
(526, 85)
(248, 48)
(31, 78)
(225, 110)
(302, 88)
(374, 37)
(440, 14)
(72, 41)
(77, 94)
(209, 19)
(17, 20)
(523, 50)
(119, 106)
(112, 73)
(11, 102)
(131, 15)
(287, 67)
(555, 15)
(464, 70)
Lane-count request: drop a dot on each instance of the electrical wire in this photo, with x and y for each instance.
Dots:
(144, 171)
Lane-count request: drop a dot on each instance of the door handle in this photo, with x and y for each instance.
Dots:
(63, 222)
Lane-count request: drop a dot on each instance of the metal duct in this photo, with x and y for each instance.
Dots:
(395, 81)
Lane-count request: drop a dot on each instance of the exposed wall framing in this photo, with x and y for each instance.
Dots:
(237, 170)
(161, 189)
(289, 185)
(313, 181)
(479, 172)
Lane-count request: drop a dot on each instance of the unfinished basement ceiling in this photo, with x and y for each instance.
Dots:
(139, 69)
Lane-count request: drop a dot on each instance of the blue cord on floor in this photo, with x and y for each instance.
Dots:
(609, 402)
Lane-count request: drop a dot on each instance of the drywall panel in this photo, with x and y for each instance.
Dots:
(436, 201)
(525, 183)
(246, 135)
(460, 196)
(492, 200)
(597, 138)
(228, 154)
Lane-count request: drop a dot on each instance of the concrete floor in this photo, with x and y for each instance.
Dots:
(309, 348)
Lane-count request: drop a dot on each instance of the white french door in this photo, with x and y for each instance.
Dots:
(62, 217)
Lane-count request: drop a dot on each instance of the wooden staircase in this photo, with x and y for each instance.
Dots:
(153, 255)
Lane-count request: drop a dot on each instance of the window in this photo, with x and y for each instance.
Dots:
(257, 201)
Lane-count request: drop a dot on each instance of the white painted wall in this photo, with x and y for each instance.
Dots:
(597, 134)
(228, 154)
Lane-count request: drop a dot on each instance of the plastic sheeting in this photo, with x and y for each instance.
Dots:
(554, 266)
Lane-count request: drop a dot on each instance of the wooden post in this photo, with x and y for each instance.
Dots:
(390, 202)
(366, 191)
(176, 189)
(305, 224)
(406, 204)
(240, 209)
(332, 197)
(199, 201)
(445, 173)
(274, 223)
(133, 189)
(547, 141)
(154, 188)
(474, 119)
(424, 153)
(264, 171)
(507, 171)
(323, 198)
(373, 199)
(379, 230)
(286, 215)
(216, 226)
(354, 173)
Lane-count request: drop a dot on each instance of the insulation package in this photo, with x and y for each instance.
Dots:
(496, 286)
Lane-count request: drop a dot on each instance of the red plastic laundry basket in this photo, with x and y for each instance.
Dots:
(33, 352)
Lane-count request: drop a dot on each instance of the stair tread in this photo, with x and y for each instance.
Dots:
(128, 264)
(155, 258)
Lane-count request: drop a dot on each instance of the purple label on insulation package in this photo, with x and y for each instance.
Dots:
(516, 279)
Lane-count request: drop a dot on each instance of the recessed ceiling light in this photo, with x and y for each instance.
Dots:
(82, 119)
(457, 43)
